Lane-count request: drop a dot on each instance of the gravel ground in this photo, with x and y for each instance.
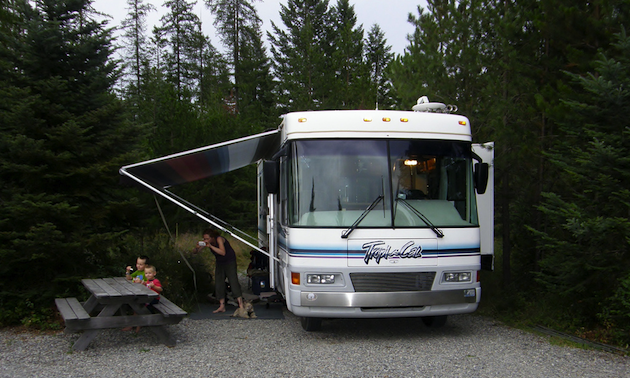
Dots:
(467, 346)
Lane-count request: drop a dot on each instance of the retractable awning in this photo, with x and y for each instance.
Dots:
(159, 174)
(200, 163)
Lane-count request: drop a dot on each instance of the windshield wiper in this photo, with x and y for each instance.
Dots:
(347, 232)
(422, 217)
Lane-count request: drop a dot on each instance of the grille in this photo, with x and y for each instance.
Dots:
(383, 282)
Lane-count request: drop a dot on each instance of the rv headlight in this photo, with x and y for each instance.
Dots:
(457, 277)
(320, 278)
(450, 277)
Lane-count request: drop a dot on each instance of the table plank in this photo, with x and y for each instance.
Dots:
(121, 280)
(123, 288)
(135, 288)
(112, 290)
(100, 288)
(71, 309)
(93, 288)
(169, 308)
(138, 292)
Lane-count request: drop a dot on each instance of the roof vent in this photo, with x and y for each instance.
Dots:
(424, 105)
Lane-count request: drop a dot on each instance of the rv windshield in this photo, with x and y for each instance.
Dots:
(332, 183)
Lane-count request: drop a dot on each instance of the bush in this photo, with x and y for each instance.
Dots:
(616, 314)
(183, 284)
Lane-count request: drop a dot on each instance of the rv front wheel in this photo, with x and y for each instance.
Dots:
(434, 321)
(311, 324)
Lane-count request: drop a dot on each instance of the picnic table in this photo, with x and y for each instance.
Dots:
(109, 299)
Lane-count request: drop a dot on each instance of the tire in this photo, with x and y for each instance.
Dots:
(311, 324)
(434, 321)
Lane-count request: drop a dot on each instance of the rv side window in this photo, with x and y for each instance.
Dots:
(286, 178)
(263, 208)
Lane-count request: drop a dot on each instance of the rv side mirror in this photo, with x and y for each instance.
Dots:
(481, 177)
(271, 176)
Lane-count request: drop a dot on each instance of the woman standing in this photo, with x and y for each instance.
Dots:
(225, 266)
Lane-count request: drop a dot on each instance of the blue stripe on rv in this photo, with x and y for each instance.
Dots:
(314, 253)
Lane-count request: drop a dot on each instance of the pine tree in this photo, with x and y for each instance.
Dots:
(239, 26)
(175, 90)
(378, 56)
(586, 248)
(445, 54)
(301, 56)
(180, 33)
(535, 42)
(236, 22)
(258, 108)
(352, 83)
(7, 16)
(63, 138)
(215, 84)
(136, 44)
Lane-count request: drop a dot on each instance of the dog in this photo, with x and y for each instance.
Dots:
(247, 312)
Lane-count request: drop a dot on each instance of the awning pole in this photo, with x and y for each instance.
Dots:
(178, 250)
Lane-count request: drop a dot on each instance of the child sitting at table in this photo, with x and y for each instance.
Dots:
(152, 283)
(138, 275)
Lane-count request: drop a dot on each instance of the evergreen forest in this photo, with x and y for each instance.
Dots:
(546, 80)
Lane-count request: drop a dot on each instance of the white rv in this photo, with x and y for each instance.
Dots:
(364, 213)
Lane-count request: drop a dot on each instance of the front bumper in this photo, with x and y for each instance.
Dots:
(384, 304)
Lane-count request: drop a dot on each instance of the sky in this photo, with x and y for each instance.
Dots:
(390, 15)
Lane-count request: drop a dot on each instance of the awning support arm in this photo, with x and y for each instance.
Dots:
(202, 211)
(193, 210)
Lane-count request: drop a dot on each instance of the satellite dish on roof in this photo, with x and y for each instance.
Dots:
(424, 105)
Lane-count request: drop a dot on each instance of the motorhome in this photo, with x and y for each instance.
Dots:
(363, 213)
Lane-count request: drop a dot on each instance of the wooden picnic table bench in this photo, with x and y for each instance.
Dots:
(109, 296)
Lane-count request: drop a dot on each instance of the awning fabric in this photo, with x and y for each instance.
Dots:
(200, 163)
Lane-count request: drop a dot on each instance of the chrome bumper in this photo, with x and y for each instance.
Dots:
(388, 299)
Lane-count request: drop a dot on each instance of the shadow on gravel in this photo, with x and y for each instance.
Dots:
(262, 310)
(398, 328)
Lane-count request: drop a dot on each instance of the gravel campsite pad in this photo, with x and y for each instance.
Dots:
(467, 346)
